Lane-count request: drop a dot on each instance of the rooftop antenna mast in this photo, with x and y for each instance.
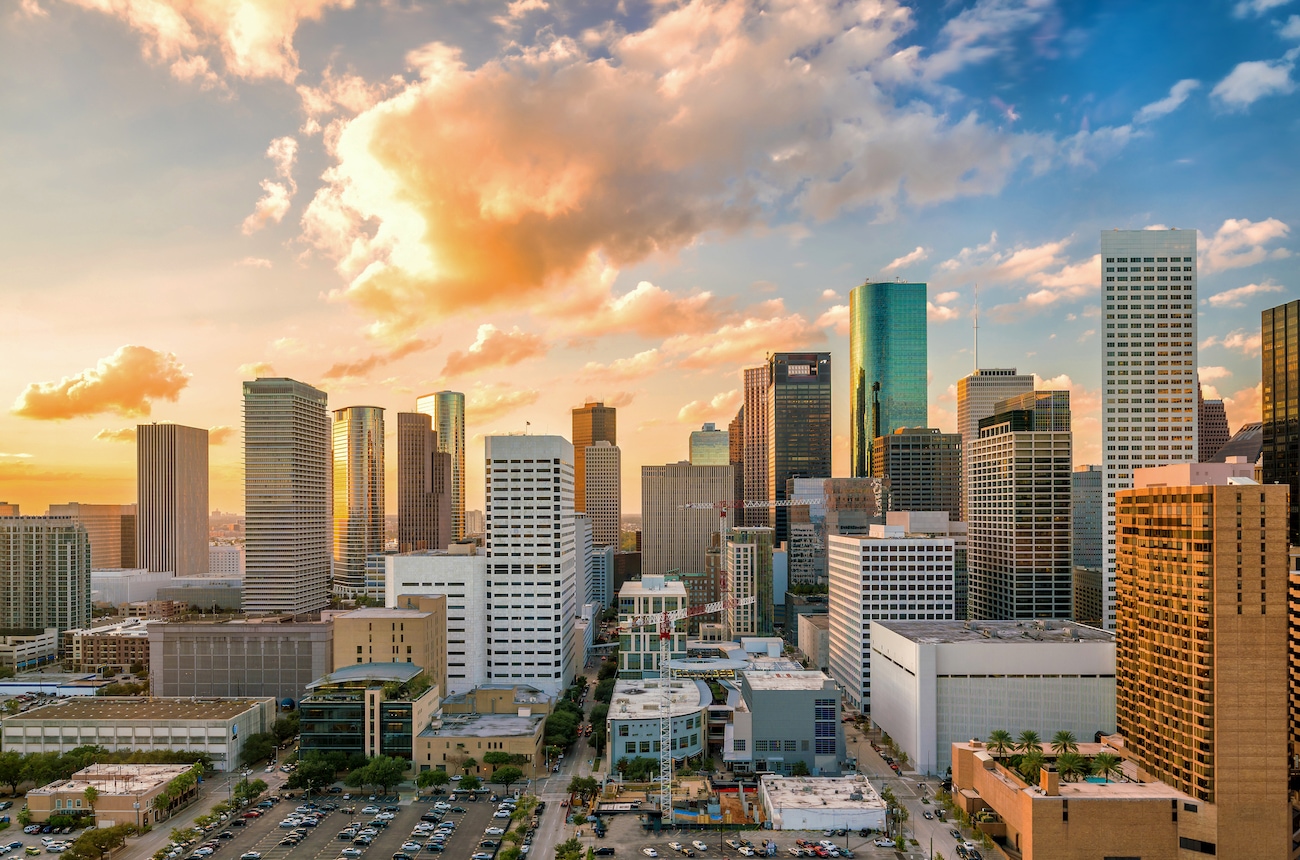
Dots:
(977, 327)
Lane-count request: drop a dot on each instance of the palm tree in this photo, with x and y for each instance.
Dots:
(1029, 740)
(1071, 766)
(1030, 764)
(1000, 741)
(1106, 765)
(1064, 742)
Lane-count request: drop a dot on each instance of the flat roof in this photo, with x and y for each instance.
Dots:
(1126, 788)
(483, 726)
(111, 779)
(382, 672)
(382, 612)
(640, 700)
(128, 708)
(994, 632)
(810, 679)
(845, 793)
(818, 619)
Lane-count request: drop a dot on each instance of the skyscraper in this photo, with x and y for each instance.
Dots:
(748, 564)
(604, 491)
(754, 485)
(592, 422)
(887, 365)
(736, 457)
(448, 411)
(286, 497)
(1280, 363)
(1019, 558)
(358, 434)
(44, 573)
(1086, 505)
(1149, 367)
(423, 475)
(1212, 431)
(111, 529)
(1201, 647)
(675, 537)
(172, 498)
(976, 395)
(798, 426)
(710, 447)
(923, 468)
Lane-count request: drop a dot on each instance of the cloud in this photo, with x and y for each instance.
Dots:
(829, 295)
(1255, 8)
(16, 456)
(982, 32)
(252, 38)
(1291, 29)
(1251, 81)
(720, 409)
(495, 348)
(363, 367)
(1241, 340)
(517, 9)
(1245, 406)
(124, 434)
(220, 434)
(624, 369)
(1178, 94)
(31, 9)
(347, 92)
(744, 342)
(617, 399)
(256, 369)
(276, 196)
(256, 262)
(1212, 372)
(1240, 242)
(939, 314)
(836, 317)
(646, 310)
(13, 473)
(485, 403)
(492, 186)
(1236, 297)
(1045, 273)
(908, 259)
(125, 383)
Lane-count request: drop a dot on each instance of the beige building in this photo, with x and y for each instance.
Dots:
(604, 491)
(172, 499)
(592, 422)
(117, 646)
(413, 635)
(977, 393)
(111, 529)
(814, 639)
(22, 650)
(675, 537)
(1202, 663)
(125, 793)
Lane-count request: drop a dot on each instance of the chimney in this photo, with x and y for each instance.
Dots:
(1050, 782)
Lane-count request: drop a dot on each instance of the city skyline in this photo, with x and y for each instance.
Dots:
(182, 294)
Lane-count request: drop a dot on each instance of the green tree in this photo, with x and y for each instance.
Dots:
(1000, 742)
(12, 706)
(800, 768)
(11, 770)
(386, 771)
(584, 786)
(471, 783)
(604, 690)
(1106, 765)
(496, 758)
(258, 747)
(1064, 742)
(507, 776)
(570, 849)
(468, 764)
(1029, 740)
(313, 774)
(1030, 765)
(431, 778)
(286, 727)
(1071, 766)
(249, 791)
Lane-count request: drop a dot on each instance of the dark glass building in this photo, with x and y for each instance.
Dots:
(798, 425)
(923, 468)
(1280, 327)
(887, 365)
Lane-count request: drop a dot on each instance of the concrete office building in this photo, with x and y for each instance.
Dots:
(393, 635)
(286, 497)
(798, 426)
(225, 560)
(638, 653)
(259, 658)
(120, 587)
(358, 452)
(923, 468)
(1020, 561)
(111, 529)
(814, 639)
(369, 709)
(531, 557)
(937, 683)
(821, 803)
(795, 719)
(603, 473)
(854, 505)
(977, 394)
(1212, 431)
(8, 509)
(1201, 646)
(172, 498)
(25, 650)
(747, 558)
(710, 447)
(448, 411)
(600, 586)
(888, 575)
(632, 726)
(888, 366)
(44, 573)
(423, 485)
(592, 422)
(1280, 451)
(1149, 283)
(583, 553)
(754, 483)
(675, 537)
(460, 574)
(209, 593)
(937, 524)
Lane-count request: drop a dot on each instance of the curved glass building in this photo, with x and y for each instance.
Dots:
(887, 365)
(358, 494)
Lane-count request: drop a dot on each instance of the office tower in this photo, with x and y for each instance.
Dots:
(736, 457)
(1086, 504)
(1212, 431)
(583, 559)
(798, 425)
(976, 395)
(592, 422)
(1149, 281)
(887, 365)
(891, 573)
(171, 466)
(1019, 561)
(710, 447)
(1201, 647)
(675, 537)
(423, 485)
(358, 436)
(600, 585)
(448, 411)
(854, 505)
(923, 467)
(650, 595)
(747, 562)
(603, 473)
(111, 529)
(44, 573)
(530, 547)
(754, 486)
(286, 497)
(224, 560)
(1280, 330)
(937, 524)
(475, 523)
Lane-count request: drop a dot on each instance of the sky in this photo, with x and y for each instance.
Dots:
(541, 202)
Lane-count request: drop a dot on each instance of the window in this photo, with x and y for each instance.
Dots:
(622, 730)
(740, 744)
(630, 747)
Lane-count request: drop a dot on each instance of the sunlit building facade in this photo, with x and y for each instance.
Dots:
(448, 411)
(358, 434)
(798, 426)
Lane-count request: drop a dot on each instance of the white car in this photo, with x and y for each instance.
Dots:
(700, 846)
(747, 851)
(440, 805)
(251, 855)
(411, 847)
(371, 810)
(494, 831)
(649, 852)
(501, 814)
(884, 843)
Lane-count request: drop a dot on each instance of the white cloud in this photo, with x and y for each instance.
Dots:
(836, 317)
(982, 32)
(1246, 8)
(276, 196)
(908, 259)
(1291, 29)
(1236, 297)
(1212, 372)
(1240, 340)
(1253, 80)
(720, 409)
(1240, 242)
(256, 263)
(1045, 273)
(1178, 94)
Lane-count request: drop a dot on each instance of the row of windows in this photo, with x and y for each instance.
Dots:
(1149, 260)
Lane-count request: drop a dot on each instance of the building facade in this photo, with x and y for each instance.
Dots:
(592, 422)
(460, 574)
(888, 366)
(44, 573)
(358, 449)
(1212, 431)
(111, 529)
(1149, 367)
(172, 498)
(632, 726)
(24, 650)
(977, 394)
(755, 446)
(448, 411)
(1279, 360)
(603, 473)
(814, 639)
(710, 447)
(638, 651)
(676, 537)
(226, 560)
(117, 646)
(798, 426)
(1086, 503)
(370, 709)
(287, 548)
(923, 467)
(747, 560)
(736, 458)
(796, 720)
(383, 635)
(423, 485)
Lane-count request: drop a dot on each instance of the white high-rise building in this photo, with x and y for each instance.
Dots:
(976, 395)
(604, 491)
(583, 559)
(1149, 364)
(531, 557)
(225, 560)
(461, 574)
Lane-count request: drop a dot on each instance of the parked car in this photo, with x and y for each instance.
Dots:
(700, 846)
(604, 851)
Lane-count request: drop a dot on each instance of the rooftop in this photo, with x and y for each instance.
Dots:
(119, 709)
(849, 793)
(110, 779)
(640, 700)
(1128, 788)
(379, 612)
(818, 619)
(993, 632)
(806, 680)
(378, 672)
(483, 726)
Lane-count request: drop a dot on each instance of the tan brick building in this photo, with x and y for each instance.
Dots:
(415, 635)
(125, 793)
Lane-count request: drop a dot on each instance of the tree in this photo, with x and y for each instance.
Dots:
(386, 771)
(507, 776)
(1028, 740)
(496, 758)
(12, 706)
(473, 783)
(313, 774)
(468, 764)
(285, 727)
(584, 786)
(249, 791)
(1064, 742)
(431, 778)
(1106, 765)
(800, 768)
(1071, 766)
(11, 770)
(1000, 742)
(1030, 765)
(91, 794)
(258, 747)
(570, 849)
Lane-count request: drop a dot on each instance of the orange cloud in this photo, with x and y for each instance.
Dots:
(220, 435)
(486, 403)
(276, 196)
(124, 383)
(495, 348)
(743, 342)
(124, 434)
(363, 367)
(633, 367)
(256, 369)
(720, 409)
(651, 311)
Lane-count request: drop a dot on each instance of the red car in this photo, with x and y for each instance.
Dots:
(252, 813)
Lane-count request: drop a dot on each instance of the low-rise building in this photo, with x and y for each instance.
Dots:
(124, 793)
(454, 738)
(21, 650)
(368, 708)
(217, 727)
(633, 723)
(206, 593)
(155, 610)
(814, 640)
(119, 645)
(416, 635)
(821, 803)
(638, 652)
(794, 723)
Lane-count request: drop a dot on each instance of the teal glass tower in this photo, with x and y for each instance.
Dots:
(887, 365)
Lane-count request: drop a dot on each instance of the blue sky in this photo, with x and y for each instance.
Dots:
(539, 202)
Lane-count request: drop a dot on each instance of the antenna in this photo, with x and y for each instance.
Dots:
(977, 327)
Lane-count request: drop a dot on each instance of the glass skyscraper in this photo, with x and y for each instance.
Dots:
(887, 365)
(798, 425)
(358, 494)
(1280, 327)
(448, 411)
